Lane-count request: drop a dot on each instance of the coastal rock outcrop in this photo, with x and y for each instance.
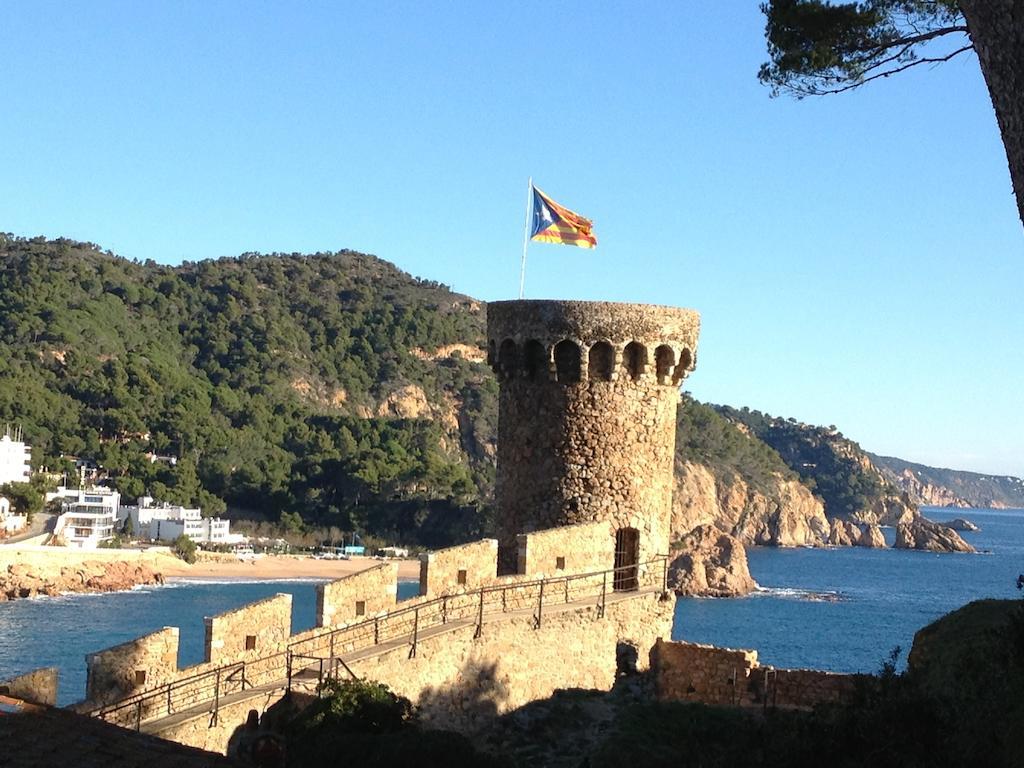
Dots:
(961, 524)
(710, 563)
(25, 580)
(922, 533)
(784, 515)
(844, 534)
(872, 536)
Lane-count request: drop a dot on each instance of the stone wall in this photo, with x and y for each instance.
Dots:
(584, 548)
(727, 677)
(458, 569)
(37, 687)
(251, 631)
(358, 596)
(587, 415)
(137, 665)
(461, 681)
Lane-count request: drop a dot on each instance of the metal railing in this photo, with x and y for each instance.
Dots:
(322, 651)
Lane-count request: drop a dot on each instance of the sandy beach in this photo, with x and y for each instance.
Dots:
(279, 567)
(47, 561)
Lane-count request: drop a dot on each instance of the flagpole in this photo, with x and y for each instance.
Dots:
(526, 236)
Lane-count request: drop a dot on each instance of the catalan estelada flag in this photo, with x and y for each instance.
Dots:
(553, 223)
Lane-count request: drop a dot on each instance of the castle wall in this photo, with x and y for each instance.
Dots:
(587, 415)
(458, 569)
(357, 597)
(460, 682)
(584, 548)
(36, 687)
(251, 631)
(727, 677)
(137, 665)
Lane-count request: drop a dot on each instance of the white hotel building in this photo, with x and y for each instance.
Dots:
(166, 522)
(15, 459)
(87, 515)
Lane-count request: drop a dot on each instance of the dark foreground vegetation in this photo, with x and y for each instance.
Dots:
(959, 704)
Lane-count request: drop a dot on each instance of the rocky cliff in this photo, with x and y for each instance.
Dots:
(784, 513)
(29, 580)
(710, 563)
(938, 487)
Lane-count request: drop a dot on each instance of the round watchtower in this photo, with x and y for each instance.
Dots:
(587, 417)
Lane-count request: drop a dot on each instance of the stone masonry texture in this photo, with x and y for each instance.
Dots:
(584, 548)
(265, 624)
(37, 687)
(587, 415)
(374, 590)
(134, 666)
(440, 570)
(727, 677)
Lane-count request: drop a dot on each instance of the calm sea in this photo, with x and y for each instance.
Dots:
(840, 609)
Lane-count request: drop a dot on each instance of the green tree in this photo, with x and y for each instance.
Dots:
(184, 548)
(817, 47)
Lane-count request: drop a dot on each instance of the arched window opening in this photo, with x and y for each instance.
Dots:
(601, 362)
(664, 359)
(627, 560)
(683, 367)
(507, 359)
(535, 360)
(567, 362)
(634, 360)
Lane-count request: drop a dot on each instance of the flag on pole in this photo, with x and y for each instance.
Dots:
(553, 223)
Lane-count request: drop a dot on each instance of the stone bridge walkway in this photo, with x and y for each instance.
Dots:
(306, 678)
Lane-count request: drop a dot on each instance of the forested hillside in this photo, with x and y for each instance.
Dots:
(834, 467)
(951, 487)
(282, 384)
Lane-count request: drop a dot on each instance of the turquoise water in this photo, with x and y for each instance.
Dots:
(841, 609)
(845, 609)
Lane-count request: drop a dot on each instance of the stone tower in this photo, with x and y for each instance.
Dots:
(587, 418)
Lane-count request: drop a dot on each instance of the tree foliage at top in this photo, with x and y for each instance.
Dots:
(818, 47)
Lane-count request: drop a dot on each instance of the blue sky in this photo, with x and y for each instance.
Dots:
(857, 259)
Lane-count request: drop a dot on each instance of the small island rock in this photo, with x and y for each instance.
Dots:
(961, 524)
(710, 563)
(926, 534)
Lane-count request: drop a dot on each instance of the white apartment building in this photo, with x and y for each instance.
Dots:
(87, 515)
(15, 458)
(9, 524)
(160, 521)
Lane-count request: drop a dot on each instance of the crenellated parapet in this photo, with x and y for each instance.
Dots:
(587, 418)
(569, 342)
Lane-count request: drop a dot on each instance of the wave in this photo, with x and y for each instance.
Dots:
(793, 593)
(184, 581)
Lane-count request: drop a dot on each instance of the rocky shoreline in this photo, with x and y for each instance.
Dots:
(21, 580)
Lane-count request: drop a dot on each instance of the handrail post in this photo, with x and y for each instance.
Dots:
(504, 601)
(480, 618)
(444, 609)
(138, 715)
(664, 575)
(288, 662)
(216, 700)
(169, 709)
(540, 605)
(566, 583)
(415, 632)
(604, 593)
(376, 630)
(243, 676)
